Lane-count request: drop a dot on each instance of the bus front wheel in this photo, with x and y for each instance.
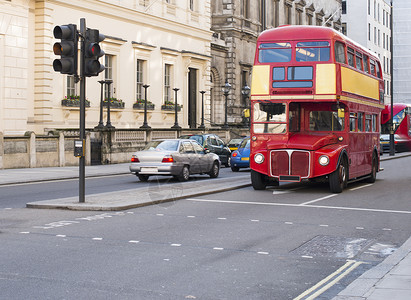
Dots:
(258, 180)
(338, 178)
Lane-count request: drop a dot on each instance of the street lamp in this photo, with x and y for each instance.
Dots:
(226, 90)
(108, 124)
(202, 110)
(245, 91)
(175, 126)
(100, 122)
(145, 125)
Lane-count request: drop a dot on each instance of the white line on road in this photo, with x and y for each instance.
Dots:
(319, 199)
(134, 242)
(97, 239)
(360, 187)
(299, 205)
(217, 248)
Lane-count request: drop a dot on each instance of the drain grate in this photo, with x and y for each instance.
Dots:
(332, 246)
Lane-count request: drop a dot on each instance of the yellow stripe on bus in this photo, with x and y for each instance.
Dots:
(260, 80)
(359, 84)
(325, 82)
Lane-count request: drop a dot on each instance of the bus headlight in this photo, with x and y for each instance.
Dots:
(324, 160)
(259, 158)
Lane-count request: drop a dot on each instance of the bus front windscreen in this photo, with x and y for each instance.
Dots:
(269, 118)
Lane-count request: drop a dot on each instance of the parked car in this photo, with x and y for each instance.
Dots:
(240, 158)
(233, 143)
(214, 144)
(176, 157)
(400, 143)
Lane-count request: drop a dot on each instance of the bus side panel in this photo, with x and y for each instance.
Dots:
(354, 82)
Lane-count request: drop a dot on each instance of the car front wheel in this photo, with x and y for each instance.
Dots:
(184, 175)
(215, 170)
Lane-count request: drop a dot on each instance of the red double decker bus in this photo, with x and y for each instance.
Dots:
(316, 100)
(402, 127)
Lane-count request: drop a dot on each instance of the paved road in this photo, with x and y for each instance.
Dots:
(243, 244)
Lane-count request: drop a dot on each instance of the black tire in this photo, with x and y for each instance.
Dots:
(338, 179)
(235, 169)
(374, 169)
(258, 180)
(143, 178)
(215, 170)
(227, 163)
(184, 175)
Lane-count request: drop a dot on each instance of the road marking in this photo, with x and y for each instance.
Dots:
(175, 245)
(134, 242)
(306, 256)
(97, 239)
(222, 218)
(387, 229)
(24, 232)
(299, 205)
(191, 216)
(324, 225)
(288, 223)
(359, 228)
(329, 281)
(262, 252)
(255, 220)
(60, 235)
(217, 248)
(360, 187)
(160, 215)
(319, 199)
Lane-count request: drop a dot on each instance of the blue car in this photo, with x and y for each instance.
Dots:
(240, 158)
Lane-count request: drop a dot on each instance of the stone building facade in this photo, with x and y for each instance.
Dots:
(236, 25)
(165, 44)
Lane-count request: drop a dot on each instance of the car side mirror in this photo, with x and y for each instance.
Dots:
(206, 151)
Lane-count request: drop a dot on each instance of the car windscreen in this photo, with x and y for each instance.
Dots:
(162, 145)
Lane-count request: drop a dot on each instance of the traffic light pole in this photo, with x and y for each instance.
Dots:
(82, 165)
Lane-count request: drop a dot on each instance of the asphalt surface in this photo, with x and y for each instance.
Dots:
(391, 279)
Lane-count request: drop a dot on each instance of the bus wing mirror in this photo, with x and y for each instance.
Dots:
(341, 112)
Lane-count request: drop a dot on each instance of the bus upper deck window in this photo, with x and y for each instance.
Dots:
(350, 56)
(378, 70)
(365, 63)
(372, 67)
(358, 61)
(339, 50)
(313, 51)
(274, 52)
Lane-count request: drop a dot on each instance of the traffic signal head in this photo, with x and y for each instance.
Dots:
(66, 48)
(92, 52)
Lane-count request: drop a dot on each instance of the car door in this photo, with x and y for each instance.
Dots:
(203, 160)
(224, 151)
(190, 156)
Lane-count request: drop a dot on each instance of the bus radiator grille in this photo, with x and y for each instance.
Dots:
(290, 163)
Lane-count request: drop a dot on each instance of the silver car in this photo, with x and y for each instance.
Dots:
(176, 157)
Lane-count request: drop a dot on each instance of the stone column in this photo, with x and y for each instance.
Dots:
(32, 150)
(1, 150)
(61, 149)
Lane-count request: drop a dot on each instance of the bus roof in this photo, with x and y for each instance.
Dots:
(308, 32)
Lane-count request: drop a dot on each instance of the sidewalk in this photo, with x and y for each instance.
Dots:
(391, 279)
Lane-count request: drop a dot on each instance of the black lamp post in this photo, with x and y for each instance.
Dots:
(100, 122)
(202, 110)
(108, 124)
(392, 139)
(245, 91)
(226, 91)
(175, 126)
(145, 125)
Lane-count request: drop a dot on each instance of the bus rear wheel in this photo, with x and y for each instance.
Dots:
(373, 175)
(258, 180)
(338, 178)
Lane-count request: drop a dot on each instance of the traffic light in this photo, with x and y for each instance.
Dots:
(92, 52)
(66, 48)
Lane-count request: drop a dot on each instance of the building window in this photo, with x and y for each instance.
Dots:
(276, 14)
(192, 5)
(383, 17)
(379, 37)
(344, 28)
(344, 7)
(378, 12)
(108, 74)
(288, 13)
(298, 17)
(139, 79)
(369, 31)
(167, 83)
(71, 86)
(369, 7)
(375, 35)
(375, 10)
(246, 9)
